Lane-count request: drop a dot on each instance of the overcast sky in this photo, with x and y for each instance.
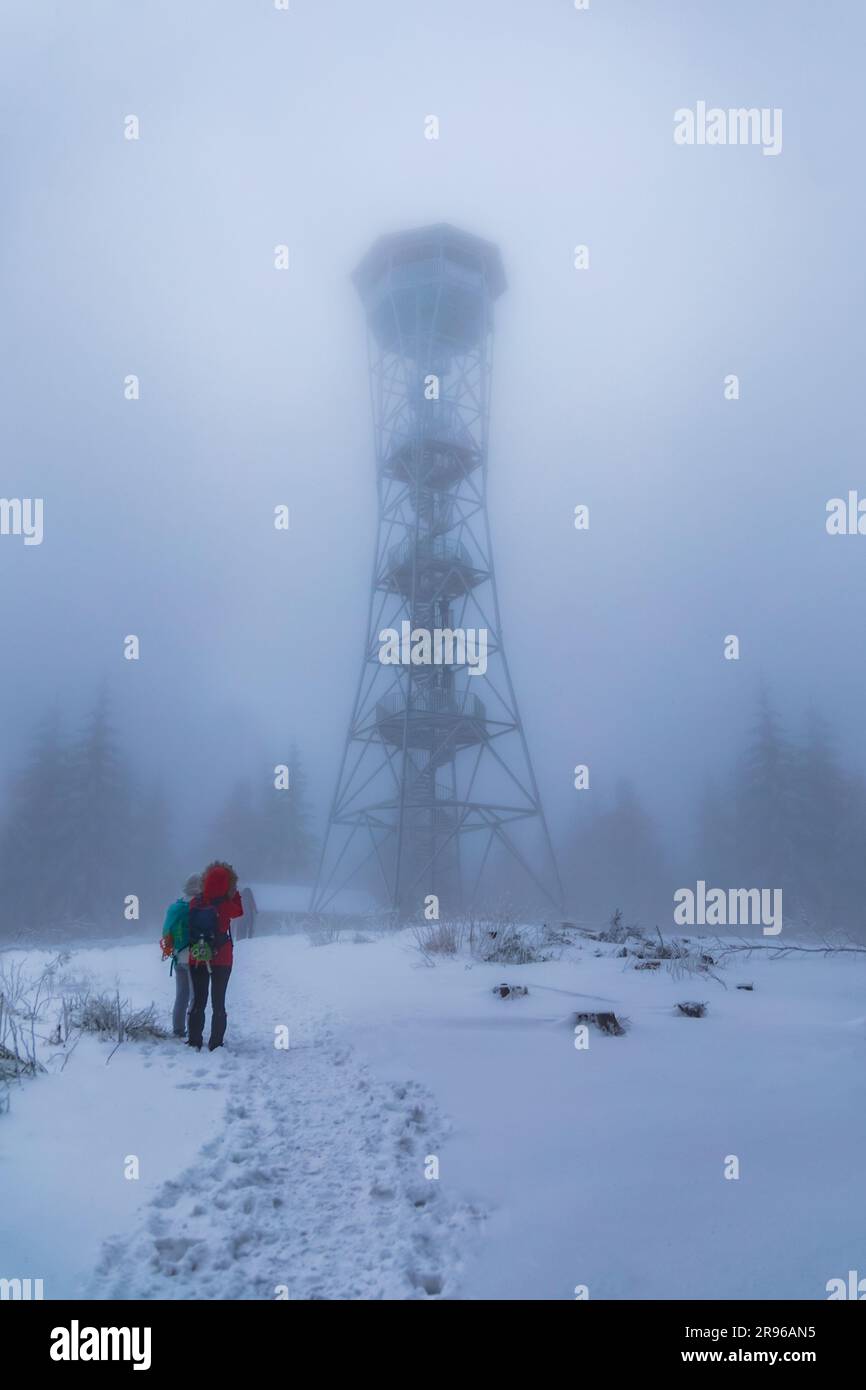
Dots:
(259, 127)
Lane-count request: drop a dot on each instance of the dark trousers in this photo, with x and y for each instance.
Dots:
(217, 980)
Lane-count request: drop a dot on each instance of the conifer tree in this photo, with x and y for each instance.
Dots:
(36, 840)
(288, 843)
(101, 810)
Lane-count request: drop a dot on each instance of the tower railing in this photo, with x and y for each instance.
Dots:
(428, 548)
(451, 702)
(413, 273)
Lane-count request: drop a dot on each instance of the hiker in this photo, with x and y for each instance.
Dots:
(210, 950)
(250, 910)
(175, 943)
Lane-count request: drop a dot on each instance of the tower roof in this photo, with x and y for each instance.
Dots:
(431, 243)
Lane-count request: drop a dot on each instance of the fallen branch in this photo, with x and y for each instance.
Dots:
(778, 949)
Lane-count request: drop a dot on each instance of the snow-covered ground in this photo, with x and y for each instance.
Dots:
(302, 1173)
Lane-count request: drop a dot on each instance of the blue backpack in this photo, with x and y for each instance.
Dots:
(205, 934)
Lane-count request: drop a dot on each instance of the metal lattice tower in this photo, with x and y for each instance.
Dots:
(436, 768)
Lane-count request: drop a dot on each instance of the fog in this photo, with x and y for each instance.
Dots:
(155, 257)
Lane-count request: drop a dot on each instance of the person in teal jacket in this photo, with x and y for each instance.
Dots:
(175, 943)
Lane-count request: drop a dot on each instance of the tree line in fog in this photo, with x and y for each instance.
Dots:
(82, 829)
(789, 814)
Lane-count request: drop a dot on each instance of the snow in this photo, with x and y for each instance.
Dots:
(301, 1172)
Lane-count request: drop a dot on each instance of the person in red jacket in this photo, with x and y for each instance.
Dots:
(219, 890)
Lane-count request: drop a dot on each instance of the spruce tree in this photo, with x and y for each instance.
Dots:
(36, 842)
(238, 834)
(829, 832)
(156, 874)
(618, 862)
(289, 845)
(764, 837)
(101, 809)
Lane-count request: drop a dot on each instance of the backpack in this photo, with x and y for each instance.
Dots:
(175, 930)
(205, 934)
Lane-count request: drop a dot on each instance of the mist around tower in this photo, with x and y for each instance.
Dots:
(433, 783)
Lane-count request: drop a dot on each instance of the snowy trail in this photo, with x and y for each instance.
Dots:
(267, 1173)
(313, 1186)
